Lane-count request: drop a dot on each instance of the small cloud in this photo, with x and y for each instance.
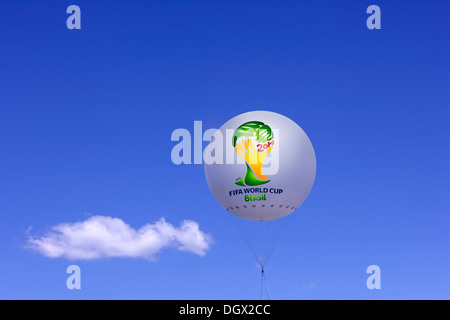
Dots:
(309, 284)
(102, 237)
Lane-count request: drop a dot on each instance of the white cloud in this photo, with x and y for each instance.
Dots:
(309, 284)
(102, 237)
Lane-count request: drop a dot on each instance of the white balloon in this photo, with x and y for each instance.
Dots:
(273, 167)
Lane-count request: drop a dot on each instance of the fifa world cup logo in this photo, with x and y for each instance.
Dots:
(257, 141)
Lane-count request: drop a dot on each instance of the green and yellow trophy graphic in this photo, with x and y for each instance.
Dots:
(253, 154)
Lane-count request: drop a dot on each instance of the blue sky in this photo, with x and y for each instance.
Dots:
(86, 118)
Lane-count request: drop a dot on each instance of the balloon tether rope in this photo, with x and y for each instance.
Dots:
(264, 280)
